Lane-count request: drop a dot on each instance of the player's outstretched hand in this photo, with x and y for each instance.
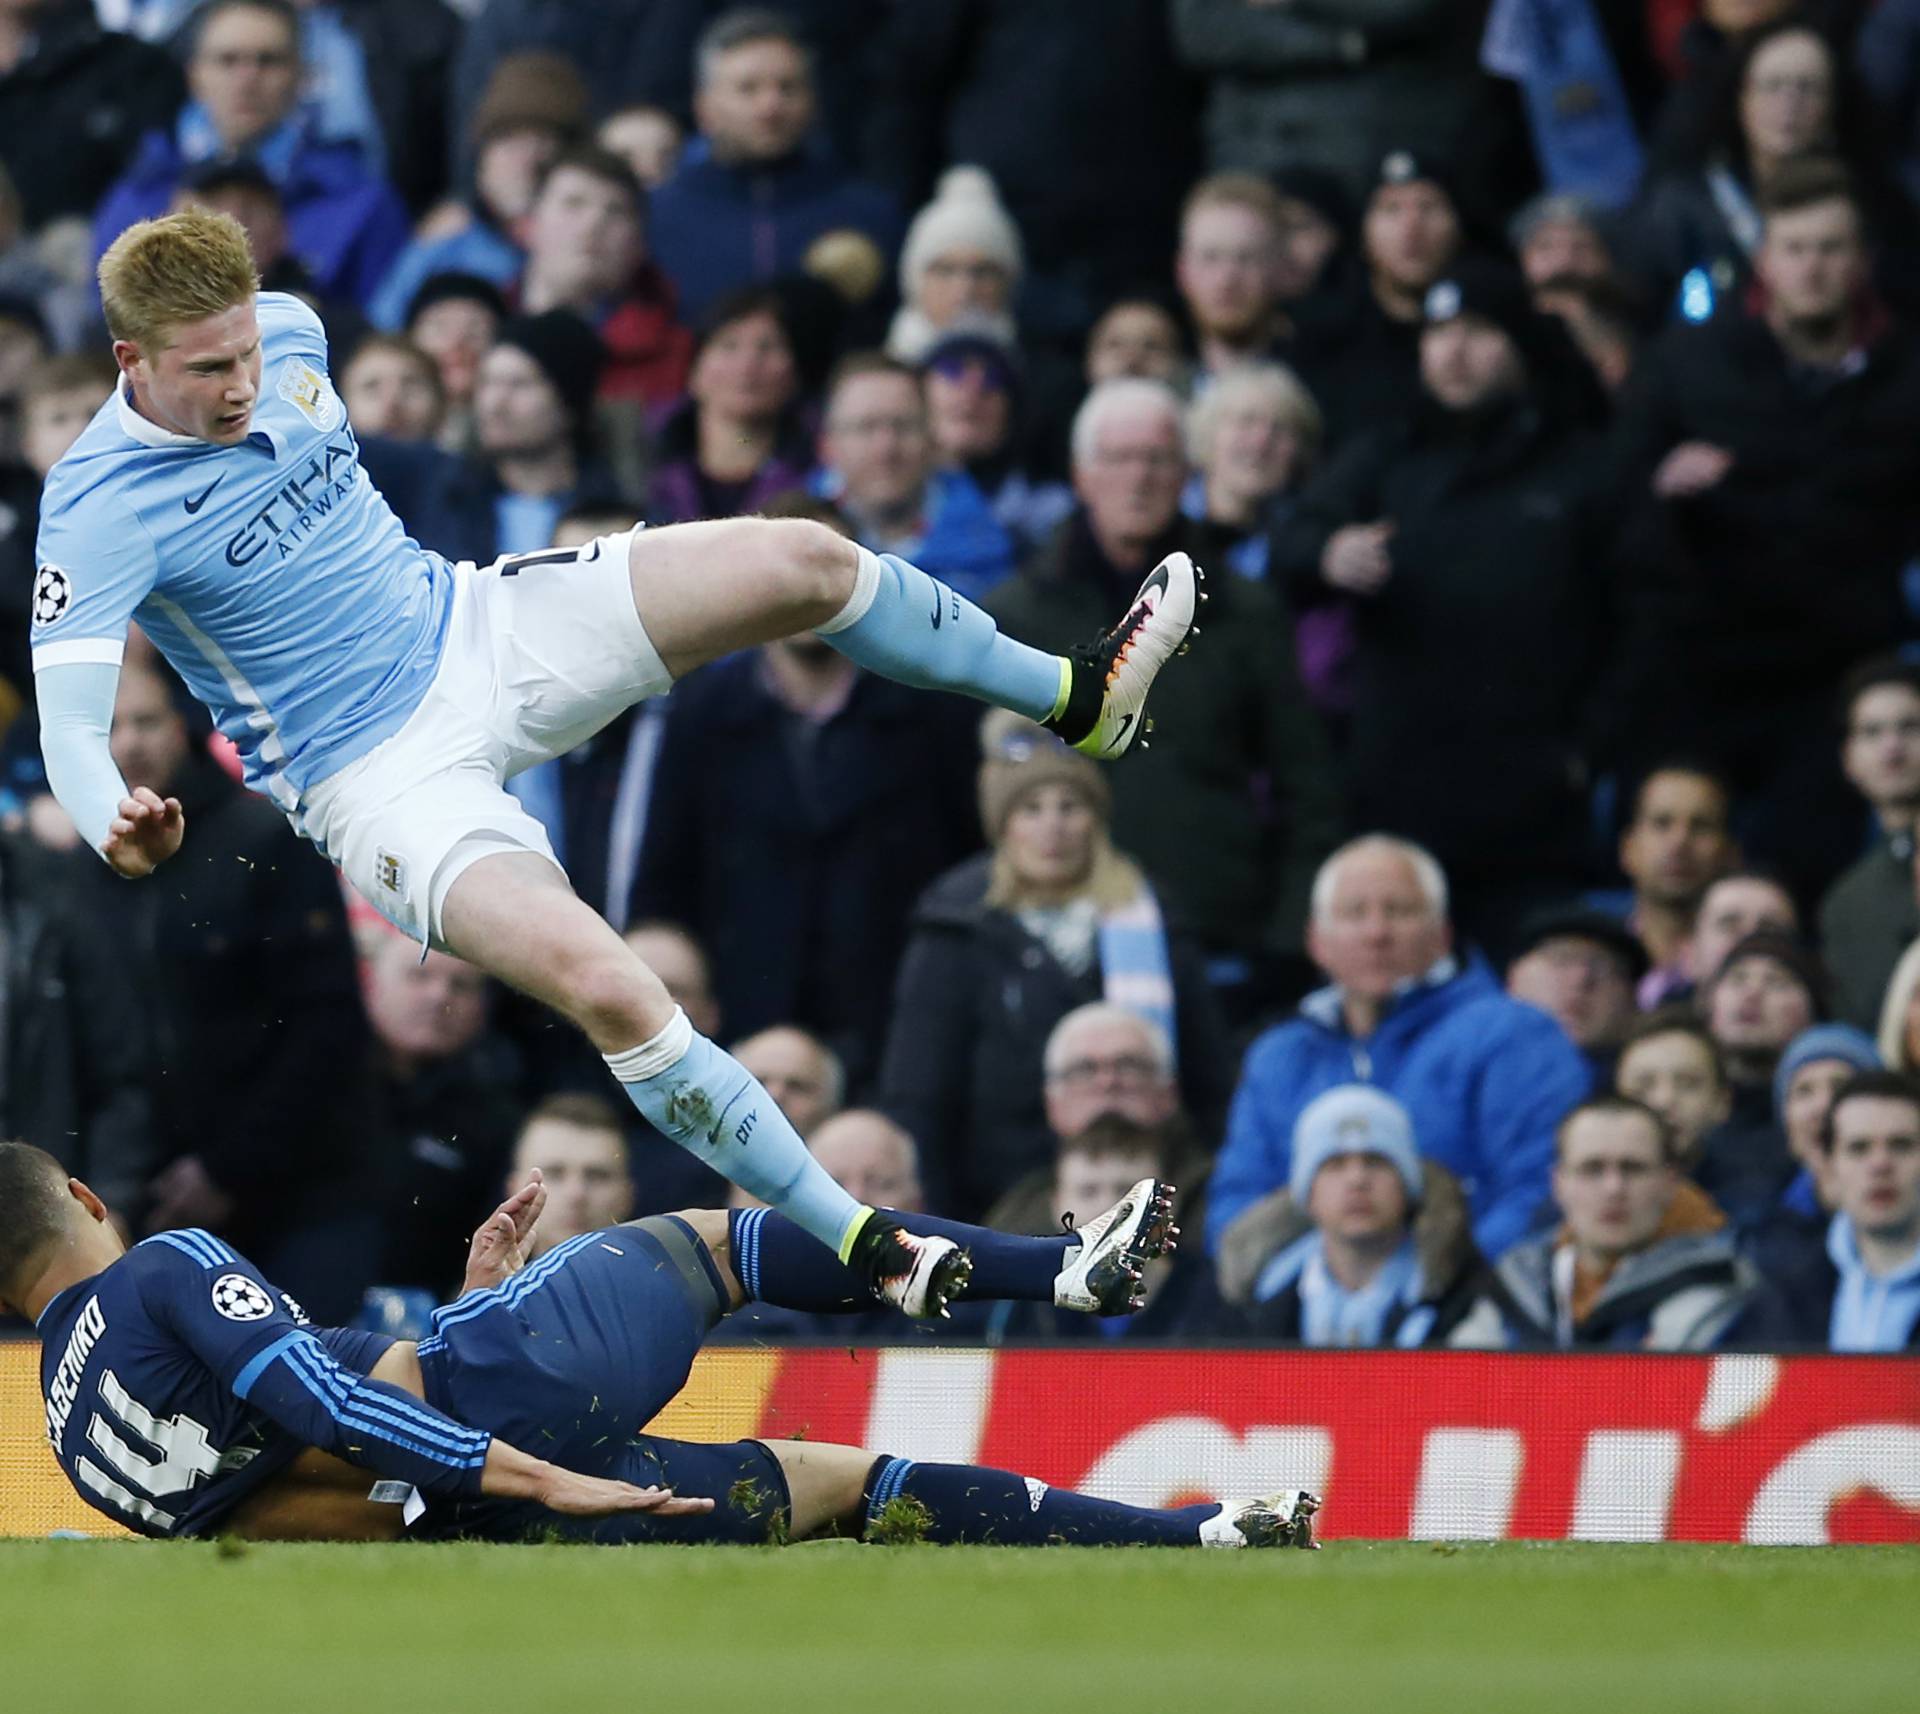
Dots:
(594, 1496)
(147, 831)
(500, 1248)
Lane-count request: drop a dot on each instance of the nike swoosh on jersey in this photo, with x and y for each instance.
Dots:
(193, 502)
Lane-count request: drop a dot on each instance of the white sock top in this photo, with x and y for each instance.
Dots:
(866, 585)
(650, 1058)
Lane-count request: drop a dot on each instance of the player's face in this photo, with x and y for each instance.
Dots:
(1357, 1197)
(585, 1169)
(1611, 1182)
(1876, 1164)
(204, 381)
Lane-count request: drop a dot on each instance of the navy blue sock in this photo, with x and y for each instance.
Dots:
(779, 1263)
(968, 1502)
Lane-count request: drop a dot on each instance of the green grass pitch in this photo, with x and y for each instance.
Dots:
(137, 1628)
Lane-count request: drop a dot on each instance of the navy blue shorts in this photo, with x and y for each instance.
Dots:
(570, 1359)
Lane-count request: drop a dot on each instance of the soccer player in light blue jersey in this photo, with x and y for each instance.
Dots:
(382, 696)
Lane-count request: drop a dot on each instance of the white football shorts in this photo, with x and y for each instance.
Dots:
(543, 649)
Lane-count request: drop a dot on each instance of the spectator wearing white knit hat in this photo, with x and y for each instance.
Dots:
(962, 261)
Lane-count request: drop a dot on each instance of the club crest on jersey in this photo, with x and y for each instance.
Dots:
(390, 871)
(310, 393)
(52, 595)
(240, 1299)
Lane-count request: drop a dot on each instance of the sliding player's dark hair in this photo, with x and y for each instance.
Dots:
(33, 1210)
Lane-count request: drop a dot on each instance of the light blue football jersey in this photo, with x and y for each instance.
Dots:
(271, 574)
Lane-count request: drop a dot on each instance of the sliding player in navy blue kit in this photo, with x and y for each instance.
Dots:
(382, 696)
(186, 1395)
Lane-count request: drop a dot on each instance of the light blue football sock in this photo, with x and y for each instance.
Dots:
(713, 1107)
(907, 626)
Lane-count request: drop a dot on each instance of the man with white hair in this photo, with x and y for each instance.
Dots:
(1485, 1078)
(1239, 880)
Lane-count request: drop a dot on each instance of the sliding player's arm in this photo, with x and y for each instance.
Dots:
(232, 1320)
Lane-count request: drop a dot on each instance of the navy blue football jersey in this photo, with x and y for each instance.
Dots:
(178, 1381)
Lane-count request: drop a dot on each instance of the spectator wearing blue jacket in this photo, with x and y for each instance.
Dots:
(345, 223)
(877, 464)
(1854, 1285)
(1486, 1078)
(755, 188)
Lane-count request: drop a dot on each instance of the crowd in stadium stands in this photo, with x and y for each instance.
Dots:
(1511, 937)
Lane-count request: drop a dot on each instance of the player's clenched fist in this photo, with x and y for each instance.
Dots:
(145, 833)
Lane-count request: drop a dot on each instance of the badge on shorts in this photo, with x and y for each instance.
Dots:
(391, 872)
(310, 393)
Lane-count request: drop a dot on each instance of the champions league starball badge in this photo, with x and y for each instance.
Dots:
(52, 595)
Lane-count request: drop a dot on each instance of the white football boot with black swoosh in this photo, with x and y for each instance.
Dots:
(1284, 1519)
(1119, 669)
(1107, 1274)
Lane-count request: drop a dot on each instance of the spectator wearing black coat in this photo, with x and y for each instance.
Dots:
(799, 808)
(1092, 149)
(1470, 531)
(243, 966)
(1235, 804)
(1872, 914)
(74, 1071)
(74, 99)
(1005, 946)
(1357, 346)
(1776, 454)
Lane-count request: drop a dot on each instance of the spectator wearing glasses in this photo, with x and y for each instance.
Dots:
(1872, 911)
(1009, 943)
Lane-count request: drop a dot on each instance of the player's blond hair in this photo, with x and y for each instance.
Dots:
(159, 274)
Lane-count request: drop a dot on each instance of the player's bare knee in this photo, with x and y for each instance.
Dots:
(615, 998)
(819, 564)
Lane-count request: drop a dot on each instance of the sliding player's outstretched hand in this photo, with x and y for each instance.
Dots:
(594, 1496)
(500, 1248)
(145, 833)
